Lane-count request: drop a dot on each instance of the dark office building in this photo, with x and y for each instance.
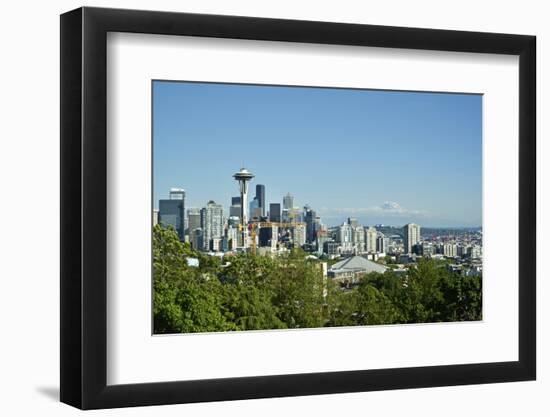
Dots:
(171, 213)
(275, 212)
(260, 196)
(235, 208)
(266, 236)
(310, 217)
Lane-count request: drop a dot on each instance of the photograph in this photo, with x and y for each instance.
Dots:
(298, 207)
(339, 205)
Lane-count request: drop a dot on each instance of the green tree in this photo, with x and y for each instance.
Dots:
(184, 299)
(298, 287)
(248, 301)
(374, 307)
(421, 300)
(342, 306)
(463, 297)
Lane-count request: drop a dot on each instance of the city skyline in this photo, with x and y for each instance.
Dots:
(427, 180)
(342, 218)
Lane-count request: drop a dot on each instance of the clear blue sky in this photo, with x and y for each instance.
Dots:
(381, 156)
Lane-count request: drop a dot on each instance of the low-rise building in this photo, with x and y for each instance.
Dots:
(351, 269)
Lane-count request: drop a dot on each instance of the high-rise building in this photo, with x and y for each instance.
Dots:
(299, 235)
(288, 213)
(260, 197)
(196, 239)
(275, 212)
(288, 202)
(345, 238)
(382, 243)
(232, 235)
(370, 236)
(211, 224)
(411, 236)
(358, 236)
(235, 208)
(155, 217)
(255, 210)
(310, 219)
(193, 220)
(450, 250)
(172, 212)
(268, 237)
(321, 238)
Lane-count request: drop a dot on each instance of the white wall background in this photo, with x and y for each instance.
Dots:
(29, 211)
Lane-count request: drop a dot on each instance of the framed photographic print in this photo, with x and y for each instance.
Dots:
(258, 207)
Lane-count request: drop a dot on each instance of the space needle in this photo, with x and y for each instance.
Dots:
(243, 177)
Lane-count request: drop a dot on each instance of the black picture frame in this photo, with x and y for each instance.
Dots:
(84, 207)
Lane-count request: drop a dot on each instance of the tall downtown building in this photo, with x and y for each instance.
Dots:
(172, 211)
(312, 224)
(257, 205)
(194, 230)
(411, 236)
(212, 225)
(260, 197)
(193, 220)
(275, 212)
(370, 236)
(235, 208)
(288, 202)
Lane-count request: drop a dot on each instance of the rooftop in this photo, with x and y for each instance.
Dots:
(358, 264)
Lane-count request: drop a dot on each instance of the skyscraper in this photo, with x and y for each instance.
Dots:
(288, 202)
(232, 232)
(358, 236)
(255, 210)
(371, 235)
(232, 235)
(310, 217)
(345, 238)
(193, 220)
(382, 243)
(235, 208)
(260, 196)
(299, 235)
(172, 211)
(288, 205)
(411, 236)
(275, 212)
(212, 224)
(196, 239)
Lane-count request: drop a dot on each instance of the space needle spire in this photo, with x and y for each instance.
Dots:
(243, 177)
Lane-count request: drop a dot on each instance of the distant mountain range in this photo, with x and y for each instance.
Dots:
(428, 231)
